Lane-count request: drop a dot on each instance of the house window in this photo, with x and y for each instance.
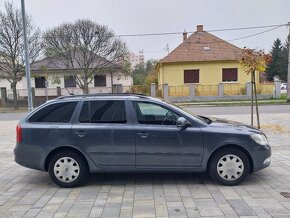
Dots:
(40, 82)
(230, 74)
(100, 80)
(191, 76)
(70, 81)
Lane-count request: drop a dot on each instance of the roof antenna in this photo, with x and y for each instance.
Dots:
(167, 48)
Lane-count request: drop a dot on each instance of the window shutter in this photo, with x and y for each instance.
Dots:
(100, 80)
(70, 81)
(191, 76)
(230, 74)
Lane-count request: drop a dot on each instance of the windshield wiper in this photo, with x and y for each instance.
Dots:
(206, 119)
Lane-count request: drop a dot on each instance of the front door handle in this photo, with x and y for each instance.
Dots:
(143, 135)
(81, 133)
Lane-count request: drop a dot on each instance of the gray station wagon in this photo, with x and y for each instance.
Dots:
(73, 136)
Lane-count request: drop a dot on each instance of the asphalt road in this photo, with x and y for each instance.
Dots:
(201, 110)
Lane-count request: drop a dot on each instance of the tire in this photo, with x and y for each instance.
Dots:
(229, 166)
(67, 169)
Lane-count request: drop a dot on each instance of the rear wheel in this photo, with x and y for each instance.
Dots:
(229, 166)
(67, 169)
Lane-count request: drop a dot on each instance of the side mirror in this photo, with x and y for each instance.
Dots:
(182, 123)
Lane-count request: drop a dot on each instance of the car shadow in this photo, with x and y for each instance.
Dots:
(146, 178)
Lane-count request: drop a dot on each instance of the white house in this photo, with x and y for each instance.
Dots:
(46, 76)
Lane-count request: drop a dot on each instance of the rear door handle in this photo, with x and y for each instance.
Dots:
(81, 133)
(143, 135)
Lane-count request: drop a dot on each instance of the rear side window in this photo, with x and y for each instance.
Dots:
(103, 112)
(55, 113)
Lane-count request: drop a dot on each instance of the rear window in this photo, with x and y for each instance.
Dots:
(103, 112)
(54, 113)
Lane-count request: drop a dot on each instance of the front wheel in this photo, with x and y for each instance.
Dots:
(229, 166)
(67, 169)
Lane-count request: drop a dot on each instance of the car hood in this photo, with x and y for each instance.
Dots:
(223, 123)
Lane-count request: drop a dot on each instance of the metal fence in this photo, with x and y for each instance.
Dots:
(228, 89)
(179, 91)
(266, 88)
(234, 89)
(206, 90)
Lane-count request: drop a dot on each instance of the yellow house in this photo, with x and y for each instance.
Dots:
(203, 59)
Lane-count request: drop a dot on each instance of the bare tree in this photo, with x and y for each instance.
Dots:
(12, 58)
(86, 48)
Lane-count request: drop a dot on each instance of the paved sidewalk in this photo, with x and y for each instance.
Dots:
(29, 193)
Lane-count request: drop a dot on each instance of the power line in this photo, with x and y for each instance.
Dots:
(256, 34)
(214, 30)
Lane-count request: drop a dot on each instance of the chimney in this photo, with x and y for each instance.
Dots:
(184, 35)
(199, 28)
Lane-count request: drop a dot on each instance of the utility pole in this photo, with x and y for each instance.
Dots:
(288, 77)
(27, 64)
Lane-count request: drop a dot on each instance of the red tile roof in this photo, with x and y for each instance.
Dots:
(203, 46)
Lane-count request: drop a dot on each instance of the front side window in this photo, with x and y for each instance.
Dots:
(153, 114)
(54, 113)
(106, 111)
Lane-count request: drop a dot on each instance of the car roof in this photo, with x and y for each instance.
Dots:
(117, 96)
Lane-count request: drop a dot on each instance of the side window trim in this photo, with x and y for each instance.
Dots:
(52, 123)
(149, 102)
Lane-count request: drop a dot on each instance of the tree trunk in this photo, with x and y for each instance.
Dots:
(86, 84)
(256, 101)
(86, 88)
(252, 99)
(15, 102)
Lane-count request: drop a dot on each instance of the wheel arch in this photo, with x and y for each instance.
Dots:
(64, 148)
(241, 148)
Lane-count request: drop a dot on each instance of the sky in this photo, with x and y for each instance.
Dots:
(158, 16)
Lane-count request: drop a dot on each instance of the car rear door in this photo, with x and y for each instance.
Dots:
(104, 131)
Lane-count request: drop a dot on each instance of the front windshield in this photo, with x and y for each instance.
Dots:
(187, 113)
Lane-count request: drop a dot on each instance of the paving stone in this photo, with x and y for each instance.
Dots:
(241, 207)
(208, 207)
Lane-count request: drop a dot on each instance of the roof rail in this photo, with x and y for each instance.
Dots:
(101, 94)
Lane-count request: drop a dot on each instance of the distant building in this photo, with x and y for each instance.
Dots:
(136, 59)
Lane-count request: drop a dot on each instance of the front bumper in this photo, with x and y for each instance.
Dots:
(261, 157)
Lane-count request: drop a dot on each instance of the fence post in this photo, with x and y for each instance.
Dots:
(3, 96)
(192, 89)
(58, 91)
(165, 91)
(153, 90)
(249, 89)
(220, 89)
(277, 92)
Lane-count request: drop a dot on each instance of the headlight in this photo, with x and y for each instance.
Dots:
(260, 139)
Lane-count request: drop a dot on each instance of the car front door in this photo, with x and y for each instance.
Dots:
(104, 131)
(160, 143)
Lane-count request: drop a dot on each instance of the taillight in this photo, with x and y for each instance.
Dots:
(18, 134)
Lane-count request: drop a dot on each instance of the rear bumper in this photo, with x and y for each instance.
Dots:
(29, 156)
(261, 158)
